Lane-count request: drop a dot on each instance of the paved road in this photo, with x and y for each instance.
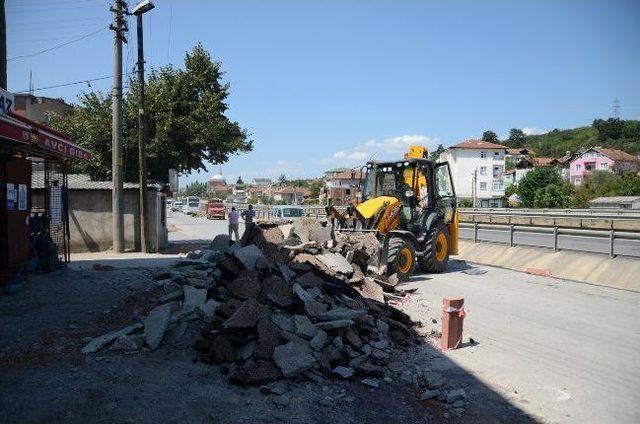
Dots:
(567, 242)
(565, 351)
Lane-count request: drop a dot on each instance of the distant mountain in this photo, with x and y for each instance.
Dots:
(614, 133)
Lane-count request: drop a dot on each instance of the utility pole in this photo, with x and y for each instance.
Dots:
(119, 27)
(142, 127)
(3, 47)
(473, 189)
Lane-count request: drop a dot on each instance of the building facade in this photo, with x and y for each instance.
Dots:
(342, 186)
(477, 168)
(39, 108)
(599, 159)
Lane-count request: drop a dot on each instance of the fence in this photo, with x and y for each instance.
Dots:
(611, 242)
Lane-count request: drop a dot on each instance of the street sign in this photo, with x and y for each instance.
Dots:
(7, 100)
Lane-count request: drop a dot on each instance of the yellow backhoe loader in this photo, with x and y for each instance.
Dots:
(410, 205)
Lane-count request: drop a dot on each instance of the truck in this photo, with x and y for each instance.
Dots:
(215, 209)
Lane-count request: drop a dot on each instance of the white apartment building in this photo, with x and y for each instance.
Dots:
(477, 168)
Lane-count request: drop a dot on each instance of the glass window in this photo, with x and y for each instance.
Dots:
(604, 165)
(483, 155)
(578, 166)
(483, 170)
(443, 181)
(483, 186)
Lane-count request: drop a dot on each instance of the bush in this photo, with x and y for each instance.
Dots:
(604, 184)
(534, 180)
(553, 196)
(465, 203)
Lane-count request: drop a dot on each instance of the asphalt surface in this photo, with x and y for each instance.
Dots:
(624, 247)
(560, 350)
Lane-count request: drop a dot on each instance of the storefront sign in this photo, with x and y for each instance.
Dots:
(63, 147)
(6, 101)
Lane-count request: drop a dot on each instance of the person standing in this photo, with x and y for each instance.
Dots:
(248, 216)
(234, 219)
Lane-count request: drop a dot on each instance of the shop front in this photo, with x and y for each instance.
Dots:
(34, 232)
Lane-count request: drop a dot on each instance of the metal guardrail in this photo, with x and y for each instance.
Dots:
(556, 232)
(573, 213)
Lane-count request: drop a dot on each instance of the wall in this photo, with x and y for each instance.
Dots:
(90, 220)
(578, 169)
(37, 108)
(463, 164)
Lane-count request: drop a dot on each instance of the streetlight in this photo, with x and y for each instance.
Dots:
(141, 8)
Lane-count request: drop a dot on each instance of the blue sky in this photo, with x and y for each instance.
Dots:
(322, 84)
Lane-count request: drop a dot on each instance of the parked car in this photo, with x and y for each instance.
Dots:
(288, 211)
(176, 207)
(215, 209)
(191, 205)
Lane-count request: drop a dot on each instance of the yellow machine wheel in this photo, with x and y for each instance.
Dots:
(436, 256)
(401, 258)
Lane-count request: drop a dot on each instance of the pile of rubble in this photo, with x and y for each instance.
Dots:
(288, 300)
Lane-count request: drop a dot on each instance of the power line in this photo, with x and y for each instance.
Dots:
(84, 81)
(58, 46)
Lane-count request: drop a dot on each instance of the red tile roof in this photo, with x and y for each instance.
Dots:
(477, 144)
(520, 151)
(617, 155)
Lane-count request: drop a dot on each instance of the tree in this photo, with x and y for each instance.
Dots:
(282, 179)
(611, 129)
(490, 136)
(516, 138)
(604, 184)
(553, 196)
(186, 122)
(436, 153)
(534, 180)
(195, 189)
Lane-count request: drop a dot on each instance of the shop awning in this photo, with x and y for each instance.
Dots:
(38, 140)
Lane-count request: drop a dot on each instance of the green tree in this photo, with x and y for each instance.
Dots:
(434, 155)
(490, 136)
(534, 180)
(553, 196)
(195, 189)
(187, 124)
(605, 184)
(282, 179)
(516, 138)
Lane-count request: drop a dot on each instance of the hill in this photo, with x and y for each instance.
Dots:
(613, 133)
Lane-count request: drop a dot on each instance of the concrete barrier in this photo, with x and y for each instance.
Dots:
(626, 224)
(619, 273)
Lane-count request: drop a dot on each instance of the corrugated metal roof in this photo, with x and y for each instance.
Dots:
(616, 199)
(83, 182)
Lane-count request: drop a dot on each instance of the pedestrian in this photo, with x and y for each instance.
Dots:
(248, 216)
(234, 218)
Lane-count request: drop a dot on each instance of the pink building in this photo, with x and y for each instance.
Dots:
(599, 159)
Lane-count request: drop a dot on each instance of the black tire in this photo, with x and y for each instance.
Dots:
(434, 259)
(401, 251)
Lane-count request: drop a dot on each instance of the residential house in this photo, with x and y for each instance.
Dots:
(600, 159)
(564, 164)
(259, 192)
(260, 181)
(477, 168)
(528, 163)
(40, 108)
(342, 186)
(239, 192)
(518, 153)
(291, 195)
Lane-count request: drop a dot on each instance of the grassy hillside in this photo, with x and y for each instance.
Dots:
(616, 134)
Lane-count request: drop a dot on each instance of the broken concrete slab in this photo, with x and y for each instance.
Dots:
(155, 325)
(370, 382)
(246, 285)
(246, 316)
(332, 325)
(208, 310)
(342, 313)
(284, 322)
(124, 343)
(278, 291)
(99, 342)
(336, 262)
(248, 256)
(429, 394)
(319, 341)
(304, 327)
(343, 372)
(293, 358)
(193, 296)
(220, 242)
(170, 297)
(287, 273)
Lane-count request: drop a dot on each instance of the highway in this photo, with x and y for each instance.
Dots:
(565, 241)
